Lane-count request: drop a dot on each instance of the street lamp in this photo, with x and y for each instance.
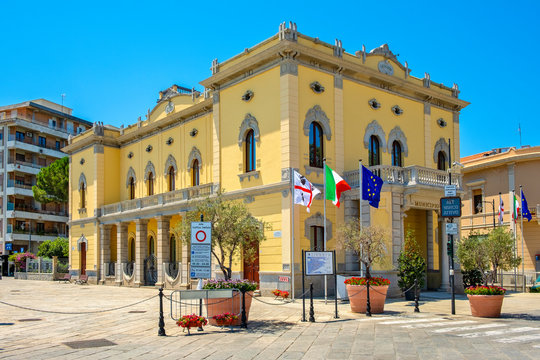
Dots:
(492, 203)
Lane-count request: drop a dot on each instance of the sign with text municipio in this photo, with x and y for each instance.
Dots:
(451, 206)
(319, 263)
(201, 250)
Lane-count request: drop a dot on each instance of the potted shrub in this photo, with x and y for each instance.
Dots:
(280, 294)
(225, 319)
(485, 253)
(189, 321)
(368, 243)
(411, 266)
(222, 305)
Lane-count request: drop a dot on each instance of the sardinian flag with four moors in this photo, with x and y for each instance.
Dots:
(304, 191)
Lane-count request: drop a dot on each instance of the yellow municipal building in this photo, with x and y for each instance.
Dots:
(288, 102)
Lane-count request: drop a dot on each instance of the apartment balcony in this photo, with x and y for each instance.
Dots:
(410, 176)
(24, 236)
(39, 126)
(28, 212)
(14, 188)
(159, 201)
(23, 166)
(28, 145)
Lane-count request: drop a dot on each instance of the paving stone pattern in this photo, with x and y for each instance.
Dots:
(275, 332)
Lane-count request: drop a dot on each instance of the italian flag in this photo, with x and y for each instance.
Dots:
(334, 186)
(515, 214)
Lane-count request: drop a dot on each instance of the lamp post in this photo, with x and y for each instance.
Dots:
(492, 203)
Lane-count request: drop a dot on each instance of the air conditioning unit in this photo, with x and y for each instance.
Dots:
(29, 134)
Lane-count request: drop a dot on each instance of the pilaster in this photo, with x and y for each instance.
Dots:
(141, 249)
(427, 134)
(456, 154)
(163, 254)
(445, 265)
(216, 140)
(397, 226)
(105, 233)
(185, 256)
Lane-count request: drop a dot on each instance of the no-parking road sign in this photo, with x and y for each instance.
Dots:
(201, 248)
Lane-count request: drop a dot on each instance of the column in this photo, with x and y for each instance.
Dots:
(141, 249)
(121, 250)
(105, 250)
(163, 247)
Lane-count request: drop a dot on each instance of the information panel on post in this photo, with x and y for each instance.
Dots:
(451, 206)
(319, 263)
(201, 250)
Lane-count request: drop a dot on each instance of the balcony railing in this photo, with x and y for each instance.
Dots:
(31, 141)
(406, 176)
(12, 183)
(42, 123)
(159, 199)
(12, 161)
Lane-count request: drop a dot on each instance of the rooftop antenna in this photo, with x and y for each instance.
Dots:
(519, 130)
(63, 96)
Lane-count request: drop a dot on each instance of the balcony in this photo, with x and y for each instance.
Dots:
(29, 145)
(28, 212)
(15, 188)
(407, 176)
(160, 200)
(27, 122)
(23, 166)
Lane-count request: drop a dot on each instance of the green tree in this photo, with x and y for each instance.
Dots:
(52, 182)
(58, 247)
(367, 242)
(411, 263)
(472, 253)
(234, 230)
(501, 250)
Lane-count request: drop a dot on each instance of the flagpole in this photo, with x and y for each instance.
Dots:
(291, 172)
(324, 244)
(360, 206)
(522, 251)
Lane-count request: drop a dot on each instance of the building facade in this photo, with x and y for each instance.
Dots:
(32, 136)
(503, 171)
(285, 103)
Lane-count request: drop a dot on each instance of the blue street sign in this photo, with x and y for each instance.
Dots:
(451, 206)
(9, 246)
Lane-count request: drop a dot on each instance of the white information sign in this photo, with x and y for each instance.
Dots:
(451, 229)
(319, 263)
(450, 190)
(201, 250)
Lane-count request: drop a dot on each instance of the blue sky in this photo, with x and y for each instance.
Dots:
(112, 58)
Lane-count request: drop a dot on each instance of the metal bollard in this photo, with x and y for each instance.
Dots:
(161, 331)
(311, 310)
(416, 296)
(368, 303)
(244, 317)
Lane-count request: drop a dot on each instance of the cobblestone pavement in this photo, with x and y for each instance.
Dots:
(275, 332)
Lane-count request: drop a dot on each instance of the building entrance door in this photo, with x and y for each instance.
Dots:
(251, 266)
(83, 258)
(150, 270)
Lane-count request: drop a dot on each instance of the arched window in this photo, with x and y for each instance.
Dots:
(173, 249)
(396, 154)
(195, 173)
(151, 246)
(131, 188)
(150, 184)
(83, 195)
(374, 151)
(132, 250)
(316, 151)
(171, 179)
(250, 151)
(441, 161)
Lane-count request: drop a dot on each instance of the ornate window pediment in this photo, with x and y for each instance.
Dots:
(82, 181)
(81, 240)
(195, 154)
(317, 114)
(149, 169)
(171, 161)
(440, 145)
(397, 135)
(375, 129)
(130, 174)
(250, 122)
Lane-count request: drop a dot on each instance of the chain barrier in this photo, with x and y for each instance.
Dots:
(78, 313)
(183, 303)
(283, 303)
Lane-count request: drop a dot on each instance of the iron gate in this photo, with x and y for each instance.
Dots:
(150, 270)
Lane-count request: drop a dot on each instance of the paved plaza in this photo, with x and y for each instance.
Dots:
(275, 331)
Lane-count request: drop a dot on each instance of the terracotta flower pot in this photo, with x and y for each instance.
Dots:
(358, 298)
(486, 305)
(223, 305)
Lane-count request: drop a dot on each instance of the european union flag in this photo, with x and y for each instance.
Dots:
(371, 187)
(525, 208)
